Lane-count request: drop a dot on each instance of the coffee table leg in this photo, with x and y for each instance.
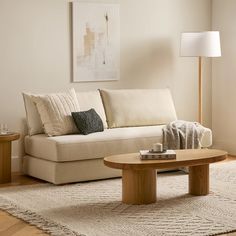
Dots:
(139, 186)
(199, 180)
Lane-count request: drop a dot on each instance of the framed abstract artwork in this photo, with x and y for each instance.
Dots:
(96, 41)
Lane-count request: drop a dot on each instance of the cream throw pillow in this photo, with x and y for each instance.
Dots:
(34, 122)
(138, 107)
(55, 112)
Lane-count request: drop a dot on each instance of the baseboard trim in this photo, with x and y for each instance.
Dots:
(228, 146)
(16, 164)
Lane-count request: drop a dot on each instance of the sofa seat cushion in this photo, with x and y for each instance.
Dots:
(92, 146)
(98, 145)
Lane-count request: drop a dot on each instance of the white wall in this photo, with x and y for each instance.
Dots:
(224, 76)
(35, 54)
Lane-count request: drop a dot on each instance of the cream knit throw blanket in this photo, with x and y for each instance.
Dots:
(181, 134)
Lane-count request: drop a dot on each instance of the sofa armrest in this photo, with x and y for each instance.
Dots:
(206, 140)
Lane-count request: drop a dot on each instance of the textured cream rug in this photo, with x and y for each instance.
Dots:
(95, 209)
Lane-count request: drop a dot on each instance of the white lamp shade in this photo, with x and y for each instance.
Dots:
(200, 44)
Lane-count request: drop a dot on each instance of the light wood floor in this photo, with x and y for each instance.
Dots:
(11, 226)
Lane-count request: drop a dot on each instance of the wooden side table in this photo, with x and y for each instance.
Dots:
(5, 156)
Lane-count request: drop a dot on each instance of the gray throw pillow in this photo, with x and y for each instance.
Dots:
(88, 122)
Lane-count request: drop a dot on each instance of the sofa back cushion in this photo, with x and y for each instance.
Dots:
(138, 107)
(92, 99)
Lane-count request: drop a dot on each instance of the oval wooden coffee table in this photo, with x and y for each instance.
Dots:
(139, 176)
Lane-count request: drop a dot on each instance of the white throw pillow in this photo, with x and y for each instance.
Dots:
(138, 107)
(34, 123)
(55, 112)
(92, 99)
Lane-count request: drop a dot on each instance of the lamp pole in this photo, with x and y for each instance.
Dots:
(200, 90)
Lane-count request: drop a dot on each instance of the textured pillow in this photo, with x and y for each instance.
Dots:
(34, 123)
(88, 122)
(55, 112)
(92, 99)
(138, 107)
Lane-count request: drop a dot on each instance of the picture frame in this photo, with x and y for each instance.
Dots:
(96, 41)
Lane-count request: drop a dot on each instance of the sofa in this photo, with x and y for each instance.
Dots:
(133, 120)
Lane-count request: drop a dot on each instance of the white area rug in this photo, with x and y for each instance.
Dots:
(95, 208)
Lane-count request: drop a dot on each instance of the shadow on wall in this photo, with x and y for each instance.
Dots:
(23, 132)
(144, 65)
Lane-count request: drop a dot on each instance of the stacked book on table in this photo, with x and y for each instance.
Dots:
(151, 155)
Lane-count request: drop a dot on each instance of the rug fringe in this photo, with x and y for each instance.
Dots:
(32, 218)
(225, 232)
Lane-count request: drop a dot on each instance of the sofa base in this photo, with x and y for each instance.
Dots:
(68, 172)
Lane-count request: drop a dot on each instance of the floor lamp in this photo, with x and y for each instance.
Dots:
(200, 44)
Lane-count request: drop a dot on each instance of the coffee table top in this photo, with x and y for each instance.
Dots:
(189, 157)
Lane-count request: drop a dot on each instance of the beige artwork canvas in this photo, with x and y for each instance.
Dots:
(96, 41)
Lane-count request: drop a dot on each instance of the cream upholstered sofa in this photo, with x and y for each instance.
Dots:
(133, 120)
